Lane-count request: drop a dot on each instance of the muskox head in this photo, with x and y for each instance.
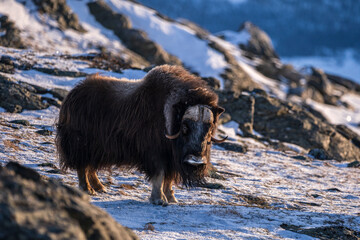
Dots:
(192, 142)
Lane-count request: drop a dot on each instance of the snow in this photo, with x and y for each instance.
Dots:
(235, 38)
(341, 115)
(286, 189)
(175, 38)
(344, 64)
(40, 31)
(285, 186)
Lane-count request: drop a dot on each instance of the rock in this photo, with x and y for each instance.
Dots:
(61, 12)
(61, 73)
(21, 122)
(14, 97)
(229, 146)
(149, 226)
(213, 186)
(34, 208)
(349, 134)
(11, 37)
(288, 122)
(59, 93)
(327, 232)
(214, 83)
(115, 62)
(354, 164)
(259, 44)
(254, 200)
(134, 39)
(299, 157)
(235, 78)
(282, 72)
(6, 64)
(319, 88)
(319, 154)
(241, 109)
(44, 132)
(347, 83)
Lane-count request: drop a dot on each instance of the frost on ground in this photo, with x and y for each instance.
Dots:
(259, 193)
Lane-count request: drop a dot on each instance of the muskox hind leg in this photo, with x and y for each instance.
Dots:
(157, 195)
(95, 182)
(168, 191)
(84, 183)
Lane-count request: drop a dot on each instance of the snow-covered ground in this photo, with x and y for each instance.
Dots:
(263, 188)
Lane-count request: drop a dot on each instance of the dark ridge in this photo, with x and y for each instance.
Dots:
(61, 12)
(134, 39)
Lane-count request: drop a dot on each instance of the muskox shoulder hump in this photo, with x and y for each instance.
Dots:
(122, 86)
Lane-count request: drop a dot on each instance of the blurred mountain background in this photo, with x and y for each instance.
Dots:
(325, 33)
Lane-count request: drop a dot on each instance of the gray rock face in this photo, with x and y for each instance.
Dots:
(33, 208)
(327, 232)
(241, 109)
(61, 12)
(11, 38)
(259, 43)
(134, 39)
(291, 123)
(14, 97)
(235, 78)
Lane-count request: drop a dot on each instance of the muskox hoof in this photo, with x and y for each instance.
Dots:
(172, 199)
(159, 201)
(89, 190)
(100, 189)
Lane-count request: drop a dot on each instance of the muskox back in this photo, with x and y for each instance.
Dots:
(103, 122)
(106, 121)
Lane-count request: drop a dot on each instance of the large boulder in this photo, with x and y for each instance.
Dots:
(288, 122)
(34, 208)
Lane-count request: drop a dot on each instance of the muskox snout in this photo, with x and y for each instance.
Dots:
(193, 160)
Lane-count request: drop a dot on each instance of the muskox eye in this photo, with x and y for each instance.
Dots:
(185, 129)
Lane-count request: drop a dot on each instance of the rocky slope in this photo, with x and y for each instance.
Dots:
(276, 116)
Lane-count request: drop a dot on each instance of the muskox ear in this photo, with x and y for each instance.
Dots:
(217, 111)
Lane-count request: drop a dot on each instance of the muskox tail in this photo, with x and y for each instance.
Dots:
(70, 148)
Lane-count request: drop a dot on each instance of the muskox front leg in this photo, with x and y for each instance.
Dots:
(168, 191)
(95, 182)
(84, 181)
(157, 195)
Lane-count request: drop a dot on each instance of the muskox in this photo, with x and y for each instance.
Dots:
(161, 125)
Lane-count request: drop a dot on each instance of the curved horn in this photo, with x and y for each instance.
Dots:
(171, 137)
(218, 140)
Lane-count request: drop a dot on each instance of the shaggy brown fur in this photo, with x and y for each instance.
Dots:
(106, 122)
